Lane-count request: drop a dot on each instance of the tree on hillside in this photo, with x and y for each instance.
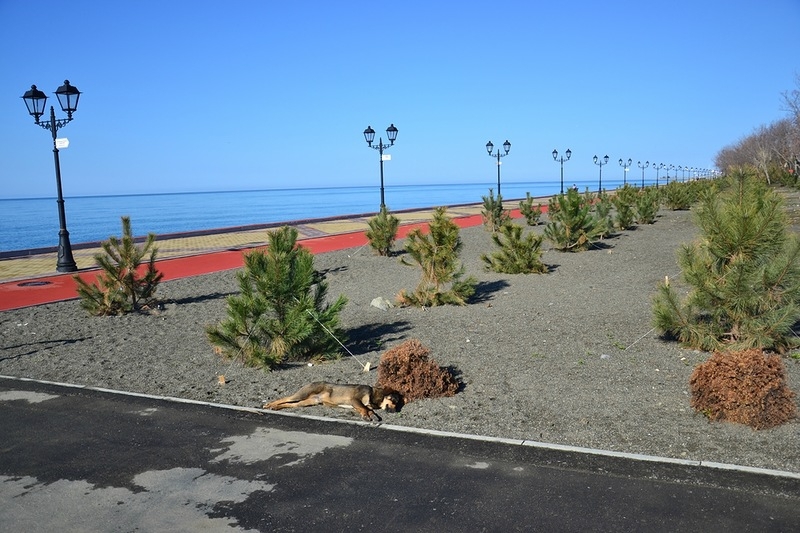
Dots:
(772, 149)
(791, 101)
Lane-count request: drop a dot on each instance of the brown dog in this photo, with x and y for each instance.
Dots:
(362, 398)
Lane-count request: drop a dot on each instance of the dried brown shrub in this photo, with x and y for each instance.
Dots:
(407, 369)
(747, 387)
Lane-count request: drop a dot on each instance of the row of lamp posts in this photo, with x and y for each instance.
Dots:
(68, 96)
(626, 166)
(391, 134)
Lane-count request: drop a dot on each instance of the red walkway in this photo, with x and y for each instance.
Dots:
(58, 287)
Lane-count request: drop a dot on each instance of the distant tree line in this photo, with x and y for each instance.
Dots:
(773, 149)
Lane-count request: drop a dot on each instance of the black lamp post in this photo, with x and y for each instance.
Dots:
(658, 167)
(561, 160)
(671, 167)
(626, 165)
(369, 135)
(35, 100)
(600, 162)
(646, 164)
(498, 155)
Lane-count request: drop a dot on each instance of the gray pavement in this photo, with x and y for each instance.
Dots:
(76, 459)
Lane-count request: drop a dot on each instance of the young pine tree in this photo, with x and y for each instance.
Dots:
(382, 231)
(572, 227)
(494, 216)
(437, 254)
(678, 196)
(121, 287)
(647, 205)
(516, 255)
(281, 313)
(743, 273)
(624, 202)
(601, 207)
(532, 213)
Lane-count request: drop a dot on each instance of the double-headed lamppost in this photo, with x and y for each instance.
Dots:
(369, 135)
(600, 162)
(658, 167)
(498, 155)
(35, 100)
(646, 164)
(561, 160)
(626, 165)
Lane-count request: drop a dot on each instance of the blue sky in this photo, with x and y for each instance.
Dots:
(203, 96)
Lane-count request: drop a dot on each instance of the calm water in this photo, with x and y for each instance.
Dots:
(33, 223)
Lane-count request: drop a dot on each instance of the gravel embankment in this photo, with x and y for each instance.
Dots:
(568, 357)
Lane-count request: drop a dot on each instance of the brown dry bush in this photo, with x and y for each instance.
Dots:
(747, 387)
(407, 369)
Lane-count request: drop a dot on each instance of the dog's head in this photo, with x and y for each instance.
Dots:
(391, 402)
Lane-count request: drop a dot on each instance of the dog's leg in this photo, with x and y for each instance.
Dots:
(365, 412)
(281, 403)
(309, 391)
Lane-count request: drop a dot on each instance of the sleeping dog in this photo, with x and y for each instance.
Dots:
(362, 398)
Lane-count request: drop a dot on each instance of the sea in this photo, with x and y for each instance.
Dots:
(32, 223)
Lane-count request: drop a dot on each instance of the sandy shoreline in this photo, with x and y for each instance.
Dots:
(568, 357)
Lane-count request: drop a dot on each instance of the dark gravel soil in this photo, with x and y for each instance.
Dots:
(568, 357)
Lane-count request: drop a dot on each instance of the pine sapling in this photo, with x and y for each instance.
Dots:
(572, 227)
(494, 216)
(122, 287)
(382, 231)
(647, 205)
(743, 274)
(282, 311)
(678, 196)
(532, 213)
(437, 254)
(624, 202)
(601, 207)
(516, 255)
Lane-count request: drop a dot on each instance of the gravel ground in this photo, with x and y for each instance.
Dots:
(568, 357)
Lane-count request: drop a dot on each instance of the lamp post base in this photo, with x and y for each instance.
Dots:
(66, 263)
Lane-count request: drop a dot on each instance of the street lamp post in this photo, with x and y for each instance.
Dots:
(658, 167)
(391, 134)
(600, 162)
(646, 164)
(671, 167)
(35, 101)
(626, 165)
(498, 155)
(561, 160)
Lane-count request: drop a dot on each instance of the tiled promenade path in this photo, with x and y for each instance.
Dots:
(30, 278)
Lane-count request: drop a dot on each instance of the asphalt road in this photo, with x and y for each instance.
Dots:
(73, 459)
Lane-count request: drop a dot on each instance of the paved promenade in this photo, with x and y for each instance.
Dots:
(30, 278)
(26, 265)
